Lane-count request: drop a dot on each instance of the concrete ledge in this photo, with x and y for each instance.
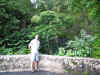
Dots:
(17, 63)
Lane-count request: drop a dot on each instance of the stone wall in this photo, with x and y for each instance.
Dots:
(12, 63)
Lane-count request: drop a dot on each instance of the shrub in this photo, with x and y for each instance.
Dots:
(80, 46)
(96, 48)
(70, 53)
(35, 19)
(49, 17)
(61, 51)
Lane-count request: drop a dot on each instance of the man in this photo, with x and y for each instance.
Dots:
(34, 46)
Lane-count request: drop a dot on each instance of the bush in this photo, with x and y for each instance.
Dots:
(49, 17)
(35, 19)
(23, 51)
(11, 51)
(80, 46)
(16, 43)
(70, 53)
(96, 48)
(61, 51)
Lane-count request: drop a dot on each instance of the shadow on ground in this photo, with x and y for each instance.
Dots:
(46, 73)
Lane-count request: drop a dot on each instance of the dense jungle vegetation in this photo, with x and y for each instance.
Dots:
(66, 27)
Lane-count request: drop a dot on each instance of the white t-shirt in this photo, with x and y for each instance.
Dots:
(34, 46)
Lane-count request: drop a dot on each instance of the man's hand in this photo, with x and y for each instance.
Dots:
(29, 47)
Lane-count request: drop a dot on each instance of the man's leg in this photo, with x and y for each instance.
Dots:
(36, 66)
(33, 66)
(36, 62)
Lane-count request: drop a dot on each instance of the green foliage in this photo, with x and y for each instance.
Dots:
(80, 46)
(57, 19)
(11, 51)
(85, 73)
(49, 17)
(35, 19)
(23, 50)
(2, 51)
(18, 44)
(61, 51)
(47, 34)
(69, 53)
(49, 28)
(96, 48)
(14, 15)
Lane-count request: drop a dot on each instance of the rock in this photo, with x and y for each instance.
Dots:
(13, 63)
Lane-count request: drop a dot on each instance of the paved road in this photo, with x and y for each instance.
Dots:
(34, 73)
(42, 73)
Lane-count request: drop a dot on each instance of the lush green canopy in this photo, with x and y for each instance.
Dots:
(56, 21)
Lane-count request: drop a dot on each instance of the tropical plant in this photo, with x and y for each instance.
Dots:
(81, 46)
(96, 48)
(61, 51)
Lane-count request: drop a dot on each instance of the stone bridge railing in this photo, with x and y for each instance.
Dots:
(12, 63)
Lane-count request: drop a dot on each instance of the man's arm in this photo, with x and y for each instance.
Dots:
(29, 46)
(39, 45)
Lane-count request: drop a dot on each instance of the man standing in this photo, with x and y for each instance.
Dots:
(34, 46)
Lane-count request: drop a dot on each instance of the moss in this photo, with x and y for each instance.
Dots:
(85, 73)
(75, 63)
(77, 72)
